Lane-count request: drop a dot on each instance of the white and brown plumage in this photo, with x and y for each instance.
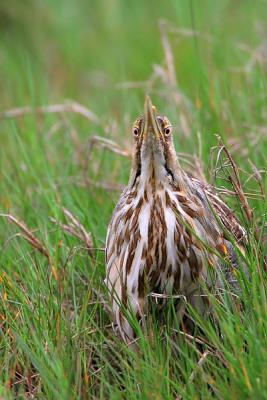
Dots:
(155, 240)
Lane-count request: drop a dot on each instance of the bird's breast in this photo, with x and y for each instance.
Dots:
(156, 238)
(149, 248)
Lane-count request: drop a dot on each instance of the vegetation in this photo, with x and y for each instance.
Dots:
(71, 71)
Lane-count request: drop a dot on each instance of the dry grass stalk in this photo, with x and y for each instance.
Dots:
(257, 176)
(198, 365)
(83, 156)
(28, 235)
(68, 107)
(76, 229)
(233, 178)
(189, 33)
(203, 342)
(132, 85)
(236, 183)
(169, 59)
(167, 296)
(168, 75)
(228, 192)
(191, 338)
(105, 143)
(258, 55)
(110, 145)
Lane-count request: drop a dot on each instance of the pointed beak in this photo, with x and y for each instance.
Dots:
(151, 125)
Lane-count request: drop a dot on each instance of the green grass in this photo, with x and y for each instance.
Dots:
(55, 336)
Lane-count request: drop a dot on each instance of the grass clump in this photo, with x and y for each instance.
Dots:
(71, 72)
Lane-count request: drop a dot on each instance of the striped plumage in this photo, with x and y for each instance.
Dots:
(161, 228)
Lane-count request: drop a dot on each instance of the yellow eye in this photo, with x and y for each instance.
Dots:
(167, 130)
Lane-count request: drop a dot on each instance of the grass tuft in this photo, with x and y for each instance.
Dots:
(66, 161)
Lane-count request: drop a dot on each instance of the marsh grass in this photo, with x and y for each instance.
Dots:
(205, 66)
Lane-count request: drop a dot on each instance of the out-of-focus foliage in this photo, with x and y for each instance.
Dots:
(204, 64)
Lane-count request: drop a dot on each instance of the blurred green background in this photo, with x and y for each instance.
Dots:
(108, 55)
(204, 63)
(56, 49)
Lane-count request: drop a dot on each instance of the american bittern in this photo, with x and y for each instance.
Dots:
(162, 228)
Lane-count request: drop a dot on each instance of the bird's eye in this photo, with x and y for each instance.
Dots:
(167, 130)
(135, 131)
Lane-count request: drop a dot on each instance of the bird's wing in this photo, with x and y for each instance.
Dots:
(224, 213)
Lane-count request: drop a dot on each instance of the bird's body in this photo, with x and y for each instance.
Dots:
(162, 228)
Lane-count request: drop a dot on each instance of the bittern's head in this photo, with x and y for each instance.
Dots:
(154, 153)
